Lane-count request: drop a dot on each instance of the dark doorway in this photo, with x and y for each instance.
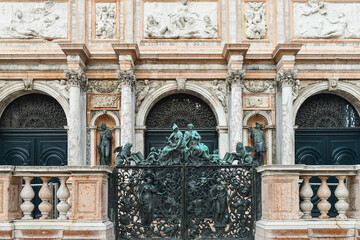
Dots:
(181, 109)
(32, 133)
(328, 134)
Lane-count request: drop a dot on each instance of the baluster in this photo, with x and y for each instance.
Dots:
(324, 193)
(27, 194)
(45, 195)
(342, 194)
(63, 194)
(306, 193)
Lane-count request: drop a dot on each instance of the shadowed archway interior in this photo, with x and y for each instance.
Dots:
(181, 109)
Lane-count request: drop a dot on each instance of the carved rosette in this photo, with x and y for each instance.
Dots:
(77, 78)
(235, 77)
(126, 77)
(286, 78)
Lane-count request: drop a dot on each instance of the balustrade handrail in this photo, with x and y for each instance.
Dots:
(310, 170)
(56, 171)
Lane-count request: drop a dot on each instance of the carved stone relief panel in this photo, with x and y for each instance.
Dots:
(326, 20)
(255, 20)
(181, 19)
(219, 89)
(104, 25)
(258, 86)
(104, 86)
(252, 101)
(104, 101)
(46, 20)
(145, 88)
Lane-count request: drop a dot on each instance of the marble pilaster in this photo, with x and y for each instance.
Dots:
(235, 78)
(286, 81)
(77, 82)
(127, 80)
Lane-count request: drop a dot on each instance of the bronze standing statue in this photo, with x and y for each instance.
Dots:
(258, 136)
(104, 147)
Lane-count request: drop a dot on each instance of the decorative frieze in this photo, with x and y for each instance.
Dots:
(144, 89)
(255, 17)
(257, 102)
(329, 20)
(105, 101)
(76, 78)
(180, 19)
(126, 77)
(105, 22)
(104, 86)
(46, 20)
(258, 86)
(235, 77)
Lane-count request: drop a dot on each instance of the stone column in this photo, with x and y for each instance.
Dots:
(286, 81)
(127, 80)
(77, 83)
(235, 78)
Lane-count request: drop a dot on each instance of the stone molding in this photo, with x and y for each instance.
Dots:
(126, 77)
(76, 78)
(235, 77)
(286, 78)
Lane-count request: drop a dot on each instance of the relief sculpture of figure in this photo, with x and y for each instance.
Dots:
(258, 136)
(195, 151)
(171, 154)
(104, 147)
(219, 196)
(147, 200)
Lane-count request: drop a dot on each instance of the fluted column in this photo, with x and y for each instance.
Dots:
(235, 78)
(77, 83)
(127, 80)
(286, 81)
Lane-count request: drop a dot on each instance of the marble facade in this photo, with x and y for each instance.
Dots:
(248, 60)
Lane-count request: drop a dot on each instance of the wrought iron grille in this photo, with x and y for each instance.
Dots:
(33, 111)
(185, 202)
(327, 111)
(182, 109)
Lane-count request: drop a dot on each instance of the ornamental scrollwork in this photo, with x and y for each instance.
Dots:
(235, 77)
(104, 86)
(126, 77)
(256, 86)
(76, 78)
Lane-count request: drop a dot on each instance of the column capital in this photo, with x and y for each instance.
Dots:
(76, 78)
(126, 77)
(235, 77)
(286, 78)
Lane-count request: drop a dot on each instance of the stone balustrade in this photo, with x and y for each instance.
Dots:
(281, 189)
(88, 186)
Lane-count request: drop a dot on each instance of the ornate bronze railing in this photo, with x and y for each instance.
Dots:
(185, 201)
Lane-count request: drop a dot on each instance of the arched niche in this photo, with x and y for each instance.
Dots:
(328, 131)
(250, 120)
(112, 122)
(15, 90)
(192, 89)
(32, 132)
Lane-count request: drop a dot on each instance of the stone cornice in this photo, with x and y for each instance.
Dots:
(233, 49)
(285, 50)
(235, 77)
(123, 49)
(76, 49)
(126, 77)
